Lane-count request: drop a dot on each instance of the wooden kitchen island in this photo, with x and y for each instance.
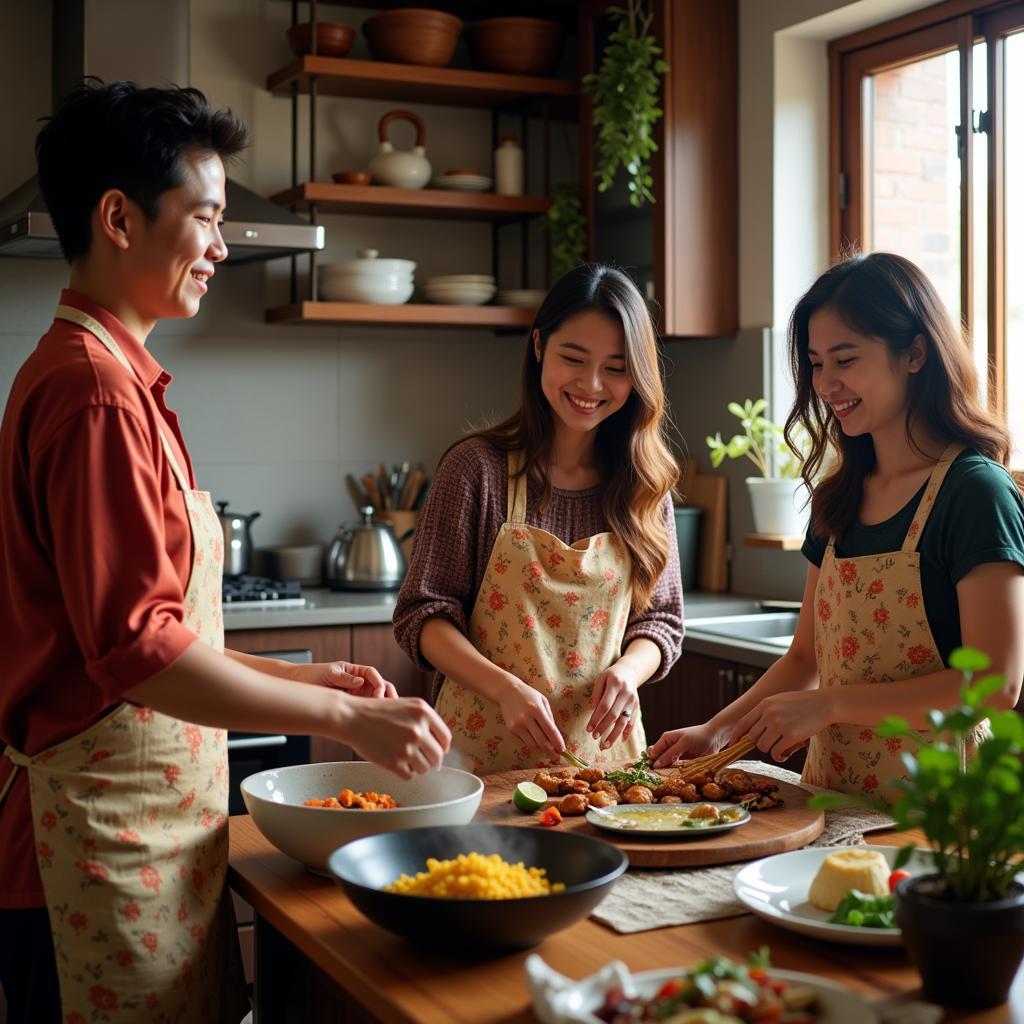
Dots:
(319, 961)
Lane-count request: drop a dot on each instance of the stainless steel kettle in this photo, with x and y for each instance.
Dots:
(365, 557)
(237, 539)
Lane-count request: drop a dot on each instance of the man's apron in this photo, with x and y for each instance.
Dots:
(553, 615)
(870, 627)
(131, 832)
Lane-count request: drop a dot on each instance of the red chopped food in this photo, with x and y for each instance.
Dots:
(550, 817)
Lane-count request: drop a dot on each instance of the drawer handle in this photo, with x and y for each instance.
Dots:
(256, 742)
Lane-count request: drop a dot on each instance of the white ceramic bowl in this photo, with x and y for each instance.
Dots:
(311, 834)
(459, 294)
(383, 289)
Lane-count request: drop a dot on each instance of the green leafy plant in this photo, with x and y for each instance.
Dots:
(567, 229)
(971, 811)
(625, 91)
(762, 442)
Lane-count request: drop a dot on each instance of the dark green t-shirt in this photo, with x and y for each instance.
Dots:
(978, 517)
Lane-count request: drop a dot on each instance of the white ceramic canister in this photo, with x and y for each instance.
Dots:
(508, 167)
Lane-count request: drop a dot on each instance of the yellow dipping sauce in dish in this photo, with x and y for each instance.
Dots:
(473, 876)
(671, 817)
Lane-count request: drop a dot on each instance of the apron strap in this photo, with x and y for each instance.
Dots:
(94, 327)
(924, 509)
(516, 489)
(19, 760)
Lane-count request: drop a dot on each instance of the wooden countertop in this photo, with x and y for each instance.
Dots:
(399, 983)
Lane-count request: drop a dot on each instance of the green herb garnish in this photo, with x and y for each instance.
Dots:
(863, 911)
(637, 774)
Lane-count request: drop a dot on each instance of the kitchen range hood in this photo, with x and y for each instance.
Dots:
(87, 40)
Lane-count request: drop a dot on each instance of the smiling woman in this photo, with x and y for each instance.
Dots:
(544, 586)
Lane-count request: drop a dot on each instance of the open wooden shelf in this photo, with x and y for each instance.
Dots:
(379, 80)
(383, 201)
(408, 315)
(775, 541)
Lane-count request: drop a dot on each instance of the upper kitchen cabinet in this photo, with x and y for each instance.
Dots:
(683, 250)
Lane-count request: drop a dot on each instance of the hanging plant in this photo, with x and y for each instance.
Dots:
(567, 229)
(625, 92)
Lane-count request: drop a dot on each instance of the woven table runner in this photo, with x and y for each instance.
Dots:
(642, 900)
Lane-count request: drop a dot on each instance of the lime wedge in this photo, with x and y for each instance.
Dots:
(529, 797)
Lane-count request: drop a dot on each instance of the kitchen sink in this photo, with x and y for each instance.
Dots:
(774, 628)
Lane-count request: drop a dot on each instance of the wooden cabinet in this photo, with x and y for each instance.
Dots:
(684, 249)
(366, 645)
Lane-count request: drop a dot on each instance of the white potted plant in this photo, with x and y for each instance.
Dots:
(778, 496)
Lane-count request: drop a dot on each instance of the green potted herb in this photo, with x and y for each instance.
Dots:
(963, 924)
(777, 495)
(567, 229)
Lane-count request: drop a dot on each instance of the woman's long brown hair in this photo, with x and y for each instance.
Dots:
(887, 298)
(633, 457)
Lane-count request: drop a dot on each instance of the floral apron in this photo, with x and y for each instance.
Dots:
(554, 616)
(870, 627)
(131, 828)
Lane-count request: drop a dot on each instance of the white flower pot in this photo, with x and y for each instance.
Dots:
(779, 506)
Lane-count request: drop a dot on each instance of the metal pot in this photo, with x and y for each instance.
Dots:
(237, 539)
(365, 557)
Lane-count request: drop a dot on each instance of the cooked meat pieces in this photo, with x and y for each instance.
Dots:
(704, 811)
(605, 786)
(590, 775)
(736, 779)
(602, 798)
(638, 795)
(675, 787)
(759, 801)
(670, 799)
(700, 779)
(548, 782)
(573, 804)
(713, 791)
(573, 786)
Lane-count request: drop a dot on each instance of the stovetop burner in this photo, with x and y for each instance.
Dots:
(259, 592)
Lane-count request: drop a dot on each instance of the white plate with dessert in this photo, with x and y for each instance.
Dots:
(801, 890)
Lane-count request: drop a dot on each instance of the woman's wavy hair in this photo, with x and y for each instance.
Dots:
(633, 456)
(887, 298)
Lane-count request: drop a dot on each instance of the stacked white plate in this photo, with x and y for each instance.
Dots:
(465, 182)
(528, 298)
(460, 289)
(388, 282)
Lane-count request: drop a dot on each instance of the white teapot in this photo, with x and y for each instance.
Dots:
(408, 168)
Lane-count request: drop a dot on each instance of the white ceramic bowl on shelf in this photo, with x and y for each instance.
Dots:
(275, 799)
(386, 282)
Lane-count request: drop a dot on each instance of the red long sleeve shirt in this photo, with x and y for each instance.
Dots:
(95, 552)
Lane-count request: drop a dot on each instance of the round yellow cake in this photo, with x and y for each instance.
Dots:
(864, 870)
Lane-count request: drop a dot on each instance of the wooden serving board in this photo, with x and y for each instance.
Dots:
(778, 830)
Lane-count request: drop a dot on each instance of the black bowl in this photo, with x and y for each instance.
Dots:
(588, 868)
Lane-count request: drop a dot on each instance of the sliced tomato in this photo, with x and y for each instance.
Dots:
(550, 817)
(895, 878)
(669, 989)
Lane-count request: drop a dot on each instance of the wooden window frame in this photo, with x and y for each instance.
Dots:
(941, 28)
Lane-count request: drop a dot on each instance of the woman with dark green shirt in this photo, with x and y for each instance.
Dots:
(916, 543)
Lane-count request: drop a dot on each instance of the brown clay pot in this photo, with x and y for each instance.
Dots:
(413, 35)
(515, 46)
(333, 38)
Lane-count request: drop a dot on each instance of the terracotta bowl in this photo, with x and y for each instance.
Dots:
(515, 46)
(351, 178)
(333, 38)
(413, 35)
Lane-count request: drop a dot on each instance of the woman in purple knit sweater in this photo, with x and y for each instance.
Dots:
(544, 587)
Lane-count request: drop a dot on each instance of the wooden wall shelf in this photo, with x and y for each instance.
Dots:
(378, 80)
(774, 541)
(382, 201)
(346, 314)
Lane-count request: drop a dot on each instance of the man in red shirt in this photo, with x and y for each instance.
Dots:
(110, 580)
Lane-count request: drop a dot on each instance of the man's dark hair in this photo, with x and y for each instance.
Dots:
(121, 136)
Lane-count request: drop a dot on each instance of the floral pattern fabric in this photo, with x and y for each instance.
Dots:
(131, 829)
(554, 616)
(870, 627)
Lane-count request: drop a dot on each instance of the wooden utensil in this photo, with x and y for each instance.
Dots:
(715, 762)
(710, 493)
(790, 826)
(371, 491)
(685, 485)
(358, 496)
(413, 486)
(384, 485)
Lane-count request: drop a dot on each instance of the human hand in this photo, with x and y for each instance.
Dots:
(616, 705)
(691, 741)
(405, 736)
(357, 680)
(528, 716)
(785, 722)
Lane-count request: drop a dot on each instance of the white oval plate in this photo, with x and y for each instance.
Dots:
(576, 1003)
(776, 888)
(608, 823)
(465, 182)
